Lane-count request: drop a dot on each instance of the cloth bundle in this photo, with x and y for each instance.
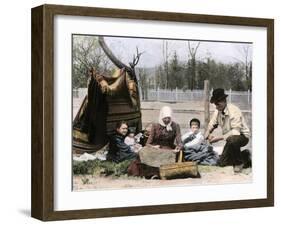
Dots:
(202, 154)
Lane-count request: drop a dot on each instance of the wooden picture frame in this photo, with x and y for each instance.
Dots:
(43, 112)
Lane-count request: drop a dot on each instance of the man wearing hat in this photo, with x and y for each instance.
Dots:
(234, 130)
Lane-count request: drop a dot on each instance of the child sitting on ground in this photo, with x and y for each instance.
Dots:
(194, 136)
(195, 149)
(131, 141)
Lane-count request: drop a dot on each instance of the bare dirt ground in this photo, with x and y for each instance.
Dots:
(209, 175)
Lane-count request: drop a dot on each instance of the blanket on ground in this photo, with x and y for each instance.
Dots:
(202, 154)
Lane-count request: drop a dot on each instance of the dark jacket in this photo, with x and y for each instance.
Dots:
(166, 139)
(118, 150)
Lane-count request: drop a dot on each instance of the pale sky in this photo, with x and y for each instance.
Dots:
(124, 48)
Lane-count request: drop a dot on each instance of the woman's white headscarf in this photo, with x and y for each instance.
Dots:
(165, 111)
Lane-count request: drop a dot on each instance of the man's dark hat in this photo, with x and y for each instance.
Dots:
(218, 94)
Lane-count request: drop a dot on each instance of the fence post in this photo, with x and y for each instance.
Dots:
(248, 96)
(230, 93)
(176, 94)
(158, 93)
(76, 93)
(206, 103)
(140, 93)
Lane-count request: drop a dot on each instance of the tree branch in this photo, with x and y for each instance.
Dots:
(111, 56)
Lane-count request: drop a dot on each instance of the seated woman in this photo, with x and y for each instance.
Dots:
(166, 133)
(163, 136)
(118, 149)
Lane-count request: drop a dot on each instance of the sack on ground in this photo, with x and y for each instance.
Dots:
(156, 157)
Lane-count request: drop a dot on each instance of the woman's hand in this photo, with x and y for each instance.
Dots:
(137, 148)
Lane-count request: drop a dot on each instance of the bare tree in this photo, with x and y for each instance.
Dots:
(166, 55)
(87, 54)
(192, 51)
(143, 82)
(131, 68)
(246, 62)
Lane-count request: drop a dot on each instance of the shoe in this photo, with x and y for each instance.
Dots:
(246, 158)
(154, 177)
(238, 168)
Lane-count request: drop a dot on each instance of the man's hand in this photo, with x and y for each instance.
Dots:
(215, 139)
(210, 137)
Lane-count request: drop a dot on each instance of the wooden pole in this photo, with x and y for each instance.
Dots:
(158, 93)
(206, 104)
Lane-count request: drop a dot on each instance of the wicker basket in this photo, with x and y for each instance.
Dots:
(179, 170)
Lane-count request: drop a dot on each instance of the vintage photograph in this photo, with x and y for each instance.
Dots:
(151, 112)
(173, 111)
